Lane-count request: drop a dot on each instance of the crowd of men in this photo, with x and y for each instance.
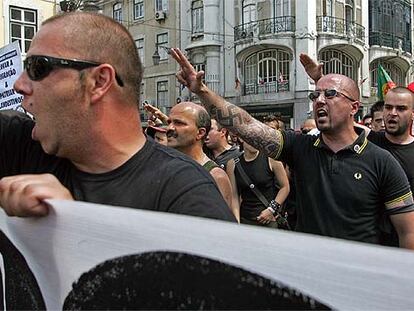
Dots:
(86, 143)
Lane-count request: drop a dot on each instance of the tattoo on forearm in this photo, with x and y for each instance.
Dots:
(229, 116)
(251, 130)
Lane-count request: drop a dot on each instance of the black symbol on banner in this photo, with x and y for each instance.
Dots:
(179, 281)
(20, 287)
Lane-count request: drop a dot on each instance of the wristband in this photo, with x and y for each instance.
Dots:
(274, 207)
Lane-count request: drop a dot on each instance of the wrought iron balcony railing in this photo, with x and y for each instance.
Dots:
(266, 87)
(340, 26)
(389, 40)
(264, 27)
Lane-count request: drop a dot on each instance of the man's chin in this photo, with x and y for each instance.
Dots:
(47, 148)
(321, 127)
(397, 131)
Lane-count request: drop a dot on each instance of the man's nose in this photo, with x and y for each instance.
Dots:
(393, 110)
(22, 84)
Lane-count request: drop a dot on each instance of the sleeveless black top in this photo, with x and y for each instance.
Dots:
(263, 178)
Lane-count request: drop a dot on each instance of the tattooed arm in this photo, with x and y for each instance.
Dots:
(228, 115)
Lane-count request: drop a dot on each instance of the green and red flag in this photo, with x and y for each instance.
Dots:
(384, 83)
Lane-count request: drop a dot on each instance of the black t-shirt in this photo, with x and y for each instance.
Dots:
(403, 153)
(155, 178)
(342, 194)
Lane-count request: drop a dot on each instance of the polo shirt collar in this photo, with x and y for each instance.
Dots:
(357, 146)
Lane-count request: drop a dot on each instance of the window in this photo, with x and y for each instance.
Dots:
(338, 62)
(161, 5)
(282, 7)
(117, 12)
(162, 40)
(249, 12)
(390, 24)
(23, 26)
(396, 74)
(138, 9)
(387, 15)
(162, 94)
(197, 15)
(140, 48)
(201, 67)
(267, 72)
(327, 8)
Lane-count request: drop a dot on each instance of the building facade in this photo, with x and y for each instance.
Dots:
(258, 65)
(249, 49)
(155, 27)
(21, 19)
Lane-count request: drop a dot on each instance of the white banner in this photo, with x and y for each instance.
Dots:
(142, 259)
(10, 70)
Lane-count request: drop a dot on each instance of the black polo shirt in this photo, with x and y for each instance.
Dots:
(342, 194)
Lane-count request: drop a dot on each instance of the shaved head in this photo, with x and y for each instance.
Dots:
(96, 37)
(344, 84)
(402, 90)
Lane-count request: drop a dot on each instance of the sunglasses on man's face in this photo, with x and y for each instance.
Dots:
(328, 94)
(39, 67)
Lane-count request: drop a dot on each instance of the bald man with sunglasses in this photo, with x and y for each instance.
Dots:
(344, 183)
(82, 83)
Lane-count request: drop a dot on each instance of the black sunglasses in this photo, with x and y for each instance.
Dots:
(328, 94)
(38, 67)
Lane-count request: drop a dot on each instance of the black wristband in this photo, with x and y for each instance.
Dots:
(275, 207)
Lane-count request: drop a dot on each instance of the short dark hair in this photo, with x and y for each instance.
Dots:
(203, 120)
(378, 106)
(368, 115)
(270, 118)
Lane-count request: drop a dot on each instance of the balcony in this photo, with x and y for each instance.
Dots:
(264, 27)
(340, 26)
(390, 40)
(266, 87)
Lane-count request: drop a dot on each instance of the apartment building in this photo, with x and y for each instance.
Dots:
(250, 49)
(21, 19)
(257, 61)
(154, 24)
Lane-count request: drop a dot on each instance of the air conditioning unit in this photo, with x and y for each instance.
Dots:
(160, 15)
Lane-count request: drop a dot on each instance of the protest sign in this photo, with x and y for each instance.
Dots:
(87, 256)
(10, 70)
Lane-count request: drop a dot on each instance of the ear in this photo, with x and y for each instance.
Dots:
(103, 77)
(355, 107)
(201, 133)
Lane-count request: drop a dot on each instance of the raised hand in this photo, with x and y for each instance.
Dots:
(187, 75)
(154, 111)
(24, 195)
(312, 68)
